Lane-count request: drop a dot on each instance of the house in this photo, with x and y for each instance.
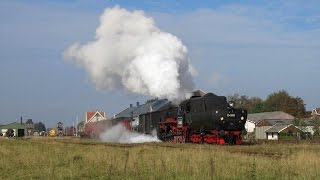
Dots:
(17, 128)
(315, 113)
(94, 123)
(94, 116)
(283, 131)
(133, 112)
(307, 127)
(255, 118)
(29, 127)
(263, 125)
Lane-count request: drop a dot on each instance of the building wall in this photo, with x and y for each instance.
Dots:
(272, 136)
(249, 126)
(97, 118)
(260, 132)
(15, 132)
(3, 131)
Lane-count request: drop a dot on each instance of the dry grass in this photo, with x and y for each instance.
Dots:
(61, 158)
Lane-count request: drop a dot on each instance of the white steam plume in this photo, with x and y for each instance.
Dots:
(120, 134)
(129, 52)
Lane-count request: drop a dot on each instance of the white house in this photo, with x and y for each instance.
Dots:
(315, 113)
(94, 116)
(275, 131)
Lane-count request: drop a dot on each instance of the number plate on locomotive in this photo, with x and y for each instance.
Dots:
(231, 115)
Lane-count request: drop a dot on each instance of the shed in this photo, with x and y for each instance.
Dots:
(260, 122)
(18, 129)
(279, 131)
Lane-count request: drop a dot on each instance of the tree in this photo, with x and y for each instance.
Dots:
(282, 101)
(29, 121)
(80, 125)
(257, 105)
(253, 104)
(39, 126)
(316, 126)
(239, 101)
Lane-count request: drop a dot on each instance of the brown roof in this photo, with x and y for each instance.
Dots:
(89, 115)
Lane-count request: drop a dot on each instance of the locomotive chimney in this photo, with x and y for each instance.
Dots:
(137, 104)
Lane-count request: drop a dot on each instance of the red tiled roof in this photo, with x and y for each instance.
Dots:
(89, 115)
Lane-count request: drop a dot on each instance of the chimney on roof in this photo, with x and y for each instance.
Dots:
(137, 104)
(131, 105)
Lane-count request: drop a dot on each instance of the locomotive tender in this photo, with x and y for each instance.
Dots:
(207, 119)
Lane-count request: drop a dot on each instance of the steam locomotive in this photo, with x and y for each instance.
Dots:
(200, 119)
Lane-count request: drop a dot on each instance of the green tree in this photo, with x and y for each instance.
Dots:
(282, 101)
(239, 101)
(39, 126)
(252, 104)
(316, 127)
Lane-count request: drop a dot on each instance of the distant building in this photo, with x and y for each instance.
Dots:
(282, 130)
(59, 131)
(315, 113)
(133, 112)
(95, 122)
(29, 127)
(307, 127)
(94, 116)
(259, 131)
(18, 129)
(264, 125)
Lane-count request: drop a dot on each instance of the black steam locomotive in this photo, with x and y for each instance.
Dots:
(206, 119)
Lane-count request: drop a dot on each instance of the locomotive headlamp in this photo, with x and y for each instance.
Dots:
(242, 118)
(231, 103)
(221, 118)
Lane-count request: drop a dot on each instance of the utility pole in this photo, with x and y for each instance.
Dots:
(77, 126)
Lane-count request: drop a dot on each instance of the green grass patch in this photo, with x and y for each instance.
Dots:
(63, 158)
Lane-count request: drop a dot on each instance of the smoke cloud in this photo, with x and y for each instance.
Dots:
(129, 52)
(120, 134)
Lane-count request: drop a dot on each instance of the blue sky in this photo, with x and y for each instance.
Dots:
(245, 47)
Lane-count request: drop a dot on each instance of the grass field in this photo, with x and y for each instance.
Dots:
(68, 158)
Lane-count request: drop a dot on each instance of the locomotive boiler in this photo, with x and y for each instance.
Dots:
(207, 119)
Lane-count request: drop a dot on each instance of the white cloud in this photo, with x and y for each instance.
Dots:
(261, 49)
